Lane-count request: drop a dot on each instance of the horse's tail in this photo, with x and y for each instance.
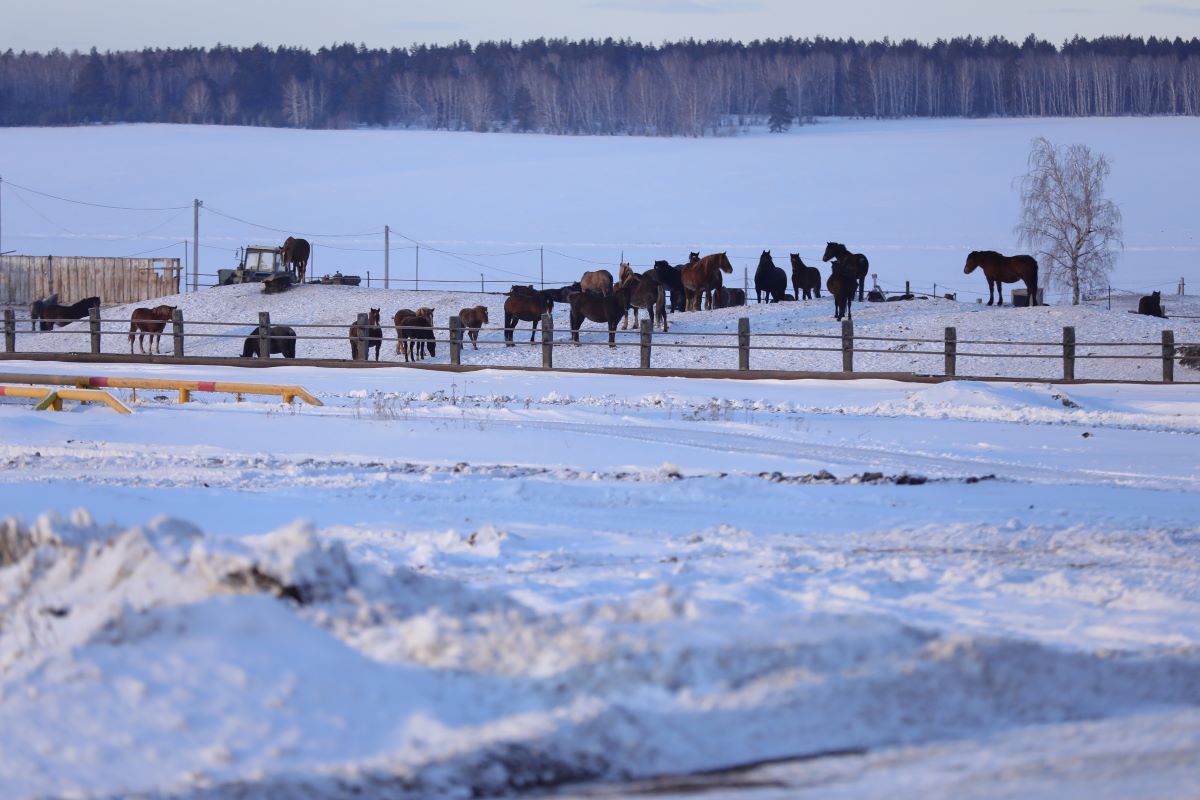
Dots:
(1033, 281)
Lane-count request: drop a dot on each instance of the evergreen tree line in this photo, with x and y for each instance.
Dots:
(602, 87)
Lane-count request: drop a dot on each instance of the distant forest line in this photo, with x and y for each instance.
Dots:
(685, 88)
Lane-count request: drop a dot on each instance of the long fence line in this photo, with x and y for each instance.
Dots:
(845, 342)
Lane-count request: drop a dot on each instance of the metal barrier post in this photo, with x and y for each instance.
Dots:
(94, 328)
(647, 327)
(847, 346)
(951, 352)
(1168, 356)
(456, 337)
(177, 331)
(1068, 353)
(360, 343)
(547, 341)
(743, 343)
(10, 331)
(264, 334)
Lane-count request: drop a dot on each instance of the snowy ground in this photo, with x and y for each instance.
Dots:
(441, 584)
(704, 340)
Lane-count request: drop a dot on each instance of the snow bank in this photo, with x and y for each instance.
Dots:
(160, 659)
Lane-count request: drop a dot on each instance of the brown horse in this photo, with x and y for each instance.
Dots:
(417, 334)
(600, 281)
(702, 276)
(373, 334)
(806, 280)
(608, 309)
(645, 292)
(473, 319)
(840, 284)
(149, 321)
(295, 253)
(626, 272)
(526, 304)
(1000, 269)
(838, 251)
(37, 307)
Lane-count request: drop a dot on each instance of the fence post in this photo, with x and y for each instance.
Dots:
(647, 327)
(848, 344)
(907, 289)
(1068, 353)
(264, 334)
(177, 331)
(456, 337)
(1168, 356)
(951, 352)
(743, 343)
(94, 328)
(547, 341)
(10, 331)
(360, 340)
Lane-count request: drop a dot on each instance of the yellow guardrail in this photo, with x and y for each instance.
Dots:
(52, 398)
(185, 388)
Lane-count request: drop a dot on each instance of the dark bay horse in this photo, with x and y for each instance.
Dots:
(840, 284)
(600, 281)
(372, 333)
(728, 298)
(473, 319)
(526, 304)
(702, 276)
(1000, 269)
(1151, 305)
(645, 292)
(417, 336)
(295, 253)
(671, 279)
(769, 279)
(806, 280)
(52, 313)
(609, 309)
(37, 307)
(280, 339)
(149, 322)
(857, 260)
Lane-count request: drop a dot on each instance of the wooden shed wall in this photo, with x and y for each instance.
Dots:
(24, 279)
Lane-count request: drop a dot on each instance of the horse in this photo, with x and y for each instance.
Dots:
(625, 272)
(842, 280)
(645, 292)
(417, 333)
(671, 279)
(837, 250)
(295, 253)
(806, 280)
(473, 319)
(600, 281)
(55, 314)
(769, 278)
(606, 308)
(526, 304)
(702, 276)
(37, 307)
(373, 334)
(149, 321)
(561, 294)
(1151, 305)
(280, 339)
(1000, 269)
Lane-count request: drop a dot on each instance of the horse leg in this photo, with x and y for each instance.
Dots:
(991, 297)
(999, 293)
(132, 329)
(399, 338)
(533, 331)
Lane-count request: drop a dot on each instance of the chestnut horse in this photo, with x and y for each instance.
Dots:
(372, 333)
(702, 276)
(149, 322)
(600, 281)
(473, 319)
(608, 309)
(837, 250)
(295, 253)
(1000, 269)
(526, 304)
(806, 280)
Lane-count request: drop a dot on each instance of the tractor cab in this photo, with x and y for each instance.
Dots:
(256, 263)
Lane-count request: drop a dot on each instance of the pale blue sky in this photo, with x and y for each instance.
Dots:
(124, 24)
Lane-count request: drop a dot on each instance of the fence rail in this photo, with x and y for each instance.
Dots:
(1066, 351)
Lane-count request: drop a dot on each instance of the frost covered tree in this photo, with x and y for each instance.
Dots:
(780, 109)
(1066, 218)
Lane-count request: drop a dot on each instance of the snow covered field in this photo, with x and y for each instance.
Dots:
(452, 585)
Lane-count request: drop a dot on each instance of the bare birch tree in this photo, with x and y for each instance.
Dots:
(1066, 218)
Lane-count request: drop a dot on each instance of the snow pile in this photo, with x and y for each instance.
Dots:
(161, 659)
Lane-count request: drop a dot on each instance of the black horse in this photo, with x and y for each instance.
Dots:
(806, 280)
(770, 279)
(671, 279)
(841, 285)
(52, 314)
(280, 339)
(856, 260)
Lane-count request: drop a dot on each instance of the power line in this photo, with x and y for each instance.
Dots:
(289, 232)
(87, 203)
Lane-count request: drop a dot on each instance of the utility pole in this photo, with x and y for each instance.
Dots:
(1, 214)
(417, 270)
(196, 244)
(387, 249)
(542, 265)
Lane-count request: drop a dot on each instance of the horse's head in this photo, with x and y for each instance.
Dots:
(723, 263)
(765, 259)
(833, 250)
(625, 270)
(425, 312)
(482, 312)
(972, 262)
(373, 316)
(693, 258)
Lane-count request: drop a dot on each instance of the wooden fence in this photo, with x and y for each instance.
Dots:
(24, 279)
